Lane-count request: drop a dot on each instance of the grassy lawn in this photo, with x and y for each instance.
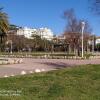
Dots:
(78, 83)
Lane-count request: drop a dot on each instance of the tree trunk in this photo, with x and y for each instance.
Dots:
(69, 49)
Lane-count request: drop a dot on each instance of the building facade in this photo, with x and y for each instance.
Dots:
(28, 32)
(97, 40)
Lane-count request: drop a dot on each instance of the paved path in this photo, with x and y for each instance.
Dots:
(47, 64)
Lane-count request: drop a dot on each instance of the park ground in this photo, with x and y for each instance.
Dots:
(81, 82)
(30, 64)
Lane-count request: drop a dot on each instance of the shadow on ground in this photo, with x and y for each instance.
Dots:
(56, 65)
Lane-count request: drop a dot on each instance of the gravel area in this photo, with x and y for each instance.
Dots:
(30, 65)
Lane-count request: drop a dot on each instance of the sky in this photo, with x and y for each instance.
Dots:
(48, 13)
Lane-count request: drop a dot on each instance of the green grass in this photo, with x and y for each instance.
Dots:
(38, 53)
(78, 83)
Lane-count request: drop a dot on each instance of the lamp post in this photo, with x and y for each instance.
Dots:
(93, 42)
(83, 25)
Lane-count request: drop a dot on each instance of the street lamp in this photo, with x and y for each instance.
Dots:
(83, 25)
(93, 42)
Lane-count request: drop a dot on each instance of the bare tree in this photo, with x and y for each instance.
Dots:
(18, 42)
(72, 22)
(95, 6)
(73, 31)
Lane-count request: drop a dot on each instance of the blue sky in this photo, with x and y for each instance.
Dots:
(47, 13)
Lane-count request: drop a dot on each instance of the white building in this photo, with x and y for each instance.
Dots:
(28, 32)
(97, 40)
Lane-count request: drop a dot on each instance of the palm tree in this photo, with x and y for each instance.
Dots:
(3, 24)
(3, 28)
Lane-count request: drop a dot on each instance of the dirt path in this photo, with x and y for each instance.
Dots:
(42, 64)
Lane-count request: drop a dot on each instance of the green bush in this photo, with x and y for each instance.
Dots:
(87, 56)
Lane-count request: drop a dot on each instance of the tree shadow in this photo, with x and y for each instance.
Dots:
(56, 65)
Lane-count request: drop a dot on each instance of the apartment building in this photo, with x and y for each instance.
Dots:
(28, 32)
